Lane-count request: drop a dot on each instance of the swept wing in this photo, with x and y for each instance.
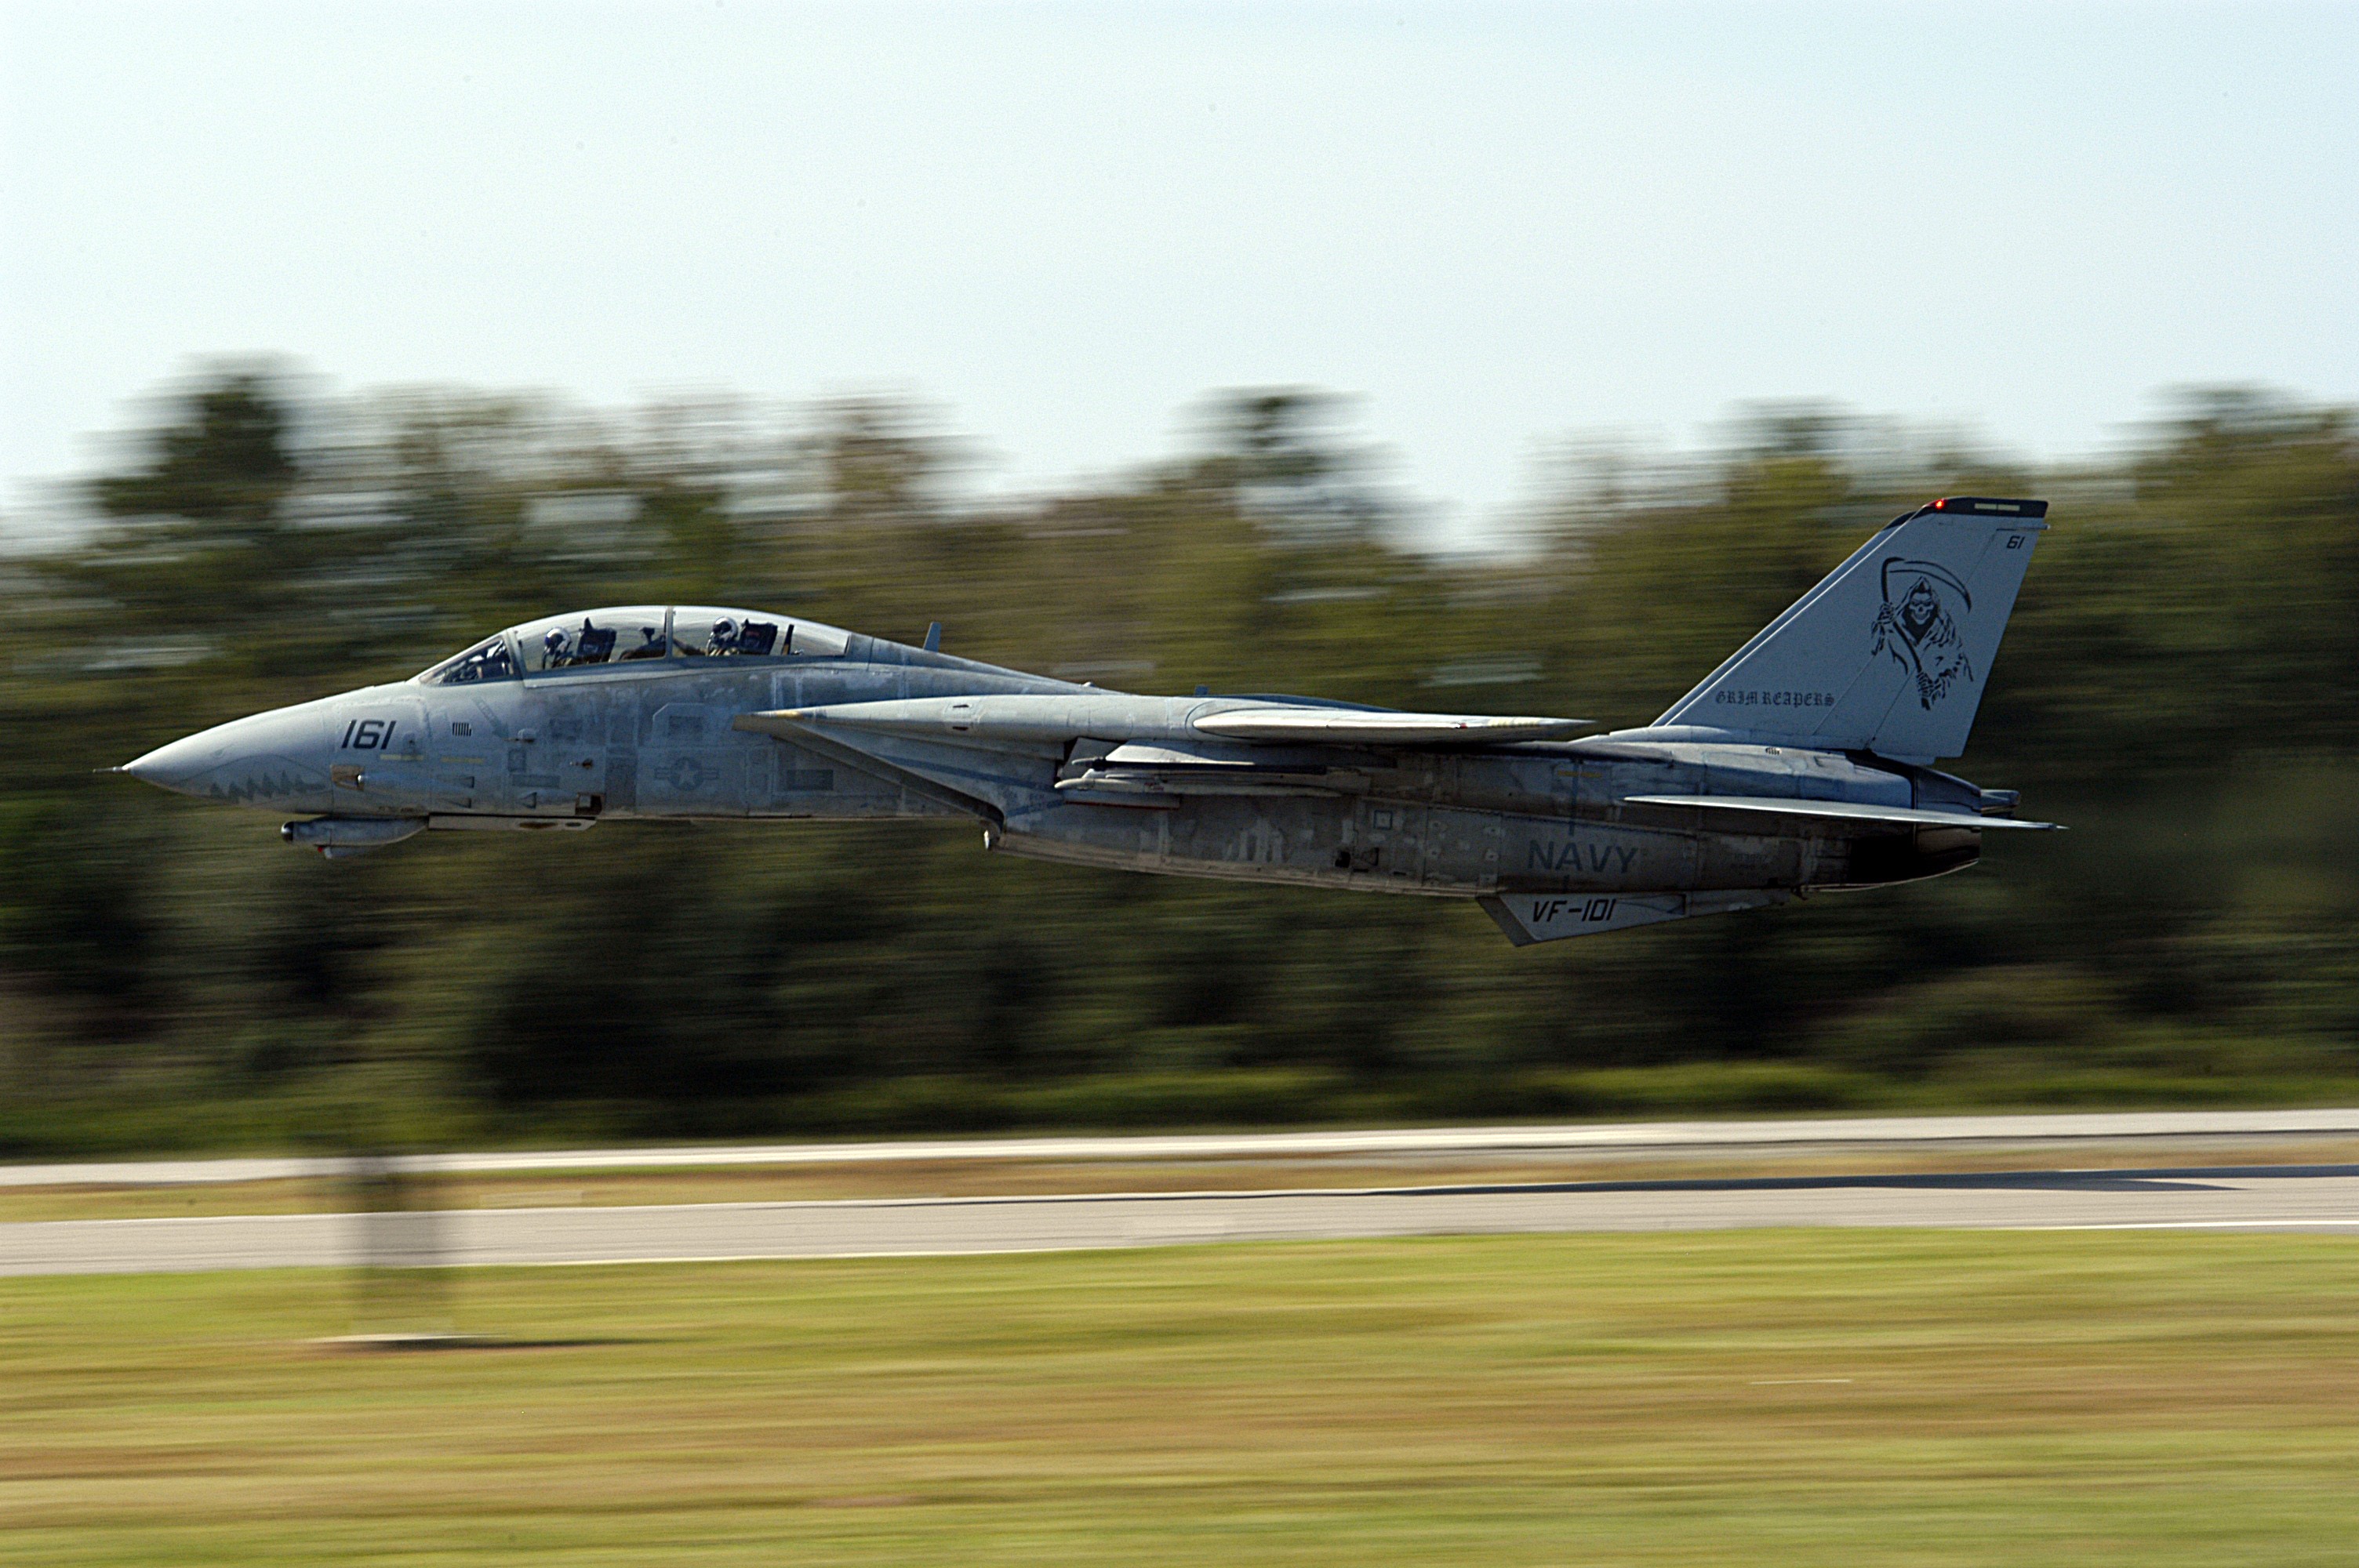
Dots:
(1115, 748)
(1352, 727)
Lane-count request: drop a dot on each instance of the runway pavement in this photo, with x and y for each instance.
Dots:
(2296, 1199)
(1575, 1138)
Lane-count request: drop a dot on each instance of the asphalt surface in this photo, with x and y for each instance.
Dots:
(2322, 1198)
(1894, 1131)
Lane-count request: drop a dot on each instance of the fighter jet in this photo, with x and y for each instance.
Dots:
(1803, 764)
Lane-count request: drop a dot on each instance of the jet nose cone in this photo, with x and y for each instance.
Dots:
(174, 766)
(277, 759)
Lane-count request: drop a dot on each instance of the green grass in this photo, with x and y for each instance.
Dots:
(2148, 1398)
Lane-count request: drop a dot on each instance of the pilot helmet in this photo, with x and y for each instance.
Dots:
(724, 632)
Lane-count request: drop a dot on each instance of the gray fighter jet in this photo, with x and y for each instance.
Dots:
(1802, 764)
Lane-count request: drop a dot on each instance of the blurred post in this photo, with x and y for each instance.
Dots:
(400, 1282)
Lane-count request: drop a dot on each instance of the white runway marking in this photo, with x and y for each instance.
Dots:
(2324, 1199)
(1568, 1138)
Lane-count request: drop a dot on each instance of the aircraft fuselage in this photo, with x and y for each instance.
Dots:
(1802, 764)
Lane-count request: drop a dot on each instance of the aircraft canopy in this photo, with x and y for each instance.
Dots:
(586, 639)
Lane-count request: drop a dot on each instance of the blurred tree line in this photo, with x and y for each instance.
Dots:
(2180, 684)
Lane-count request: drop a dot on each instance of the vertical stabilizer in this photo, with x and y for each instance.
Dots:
(1890, 652)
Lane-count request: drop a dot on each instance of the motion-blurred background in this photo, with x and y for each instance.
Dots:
(1493, 359)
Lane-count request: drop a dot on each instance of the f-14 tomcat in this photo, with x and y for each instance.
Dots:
(1803, 764)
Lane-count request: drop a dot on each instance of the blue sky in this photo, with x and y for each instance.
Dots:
(1492, 225)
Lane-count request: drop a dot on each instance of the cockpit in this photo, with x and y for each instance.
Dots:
(593, 639)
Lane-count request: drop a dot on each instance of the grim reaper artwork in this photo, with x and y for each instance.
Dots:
(1918, 632)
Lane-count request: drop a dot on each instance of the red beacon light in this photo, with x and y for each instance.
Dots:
(1966, 504)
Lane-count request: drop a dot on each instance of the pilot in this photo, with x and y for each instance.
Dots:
(553, 647)
(724, 637)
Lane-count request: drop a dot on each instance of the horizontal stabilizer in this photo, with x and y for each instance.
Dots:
(1527, 917)
(1834, 810)
(1365, 727)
